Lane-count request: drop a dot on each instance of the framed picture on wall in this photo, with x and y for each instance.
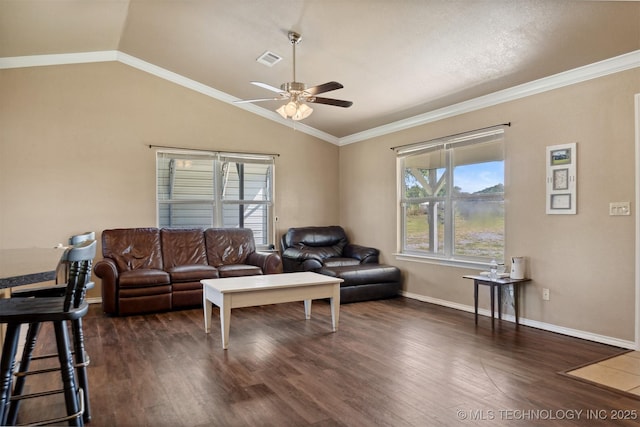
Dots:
(560, 156)
(561, 179)
(561, 201)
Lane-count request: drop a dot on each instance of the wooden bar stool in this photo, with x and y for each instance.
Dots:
(15, 312)
(80, 355)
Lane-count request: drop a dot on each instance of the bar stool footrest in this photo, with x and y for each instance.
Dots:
(47, 370)
(60, 419)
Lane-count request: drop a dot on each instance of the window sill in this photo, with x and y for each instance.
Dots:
(477, 265)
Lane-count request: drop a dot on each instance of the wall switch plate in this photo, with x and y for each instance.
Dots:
(619, 208)
(545, 294)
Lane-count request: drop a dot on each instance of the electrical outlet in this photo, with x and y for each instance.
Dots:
(545, 294)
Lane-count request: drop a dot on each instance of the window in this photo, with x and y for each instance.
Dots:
(207, 189)
(452, 197)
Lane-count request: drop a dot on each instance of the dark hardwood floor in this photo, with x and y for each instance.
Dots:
(397, 362)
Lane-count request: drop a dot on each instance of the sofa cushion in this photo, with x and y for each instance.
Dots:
(133, 248)
(238, 270)
(314, 242)
(187, 286)
(147, 303)
(183, 247)
(189, 273)
(340, 262)
(146, 292)
(143, 278)
(333, 236)
(228, 245)
(364, 274)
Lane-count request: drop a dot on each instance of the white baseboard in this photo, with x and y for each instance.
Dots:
(96, 300)
(528, 322)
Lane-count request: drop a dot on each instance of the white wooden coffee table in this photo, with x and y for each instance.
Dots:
(250, 291)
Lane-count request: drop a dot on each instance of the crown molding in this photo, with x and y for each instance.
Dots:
(577, 75)
(58, 59)
(599, 69)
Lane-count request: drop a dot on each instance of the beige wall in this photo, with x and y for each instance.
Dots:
(74, 153)
(586, 260)
(74, 156)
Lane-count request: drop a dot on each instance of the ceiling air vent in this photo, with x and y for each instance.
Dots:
(269, 59)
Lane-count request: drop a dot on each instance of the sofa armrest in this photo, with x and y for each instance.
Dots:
(269, 262)
(364, 254)
(106, 270)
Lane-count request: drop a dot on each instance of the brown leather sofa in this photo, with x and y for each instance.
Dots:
(327, 250)
(150, 269)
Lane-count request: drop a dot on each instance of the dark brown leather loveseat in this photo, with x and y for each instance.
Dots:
(151, 269)
(327, 250)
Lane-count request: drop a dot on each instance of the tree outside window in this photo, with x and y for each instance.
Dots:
(452, 201)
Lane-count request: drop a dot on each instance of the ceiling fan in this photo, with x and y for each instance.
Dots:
(298, 94)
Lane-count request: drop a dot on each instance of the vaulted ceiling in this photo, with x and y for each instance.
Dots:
(396, 58)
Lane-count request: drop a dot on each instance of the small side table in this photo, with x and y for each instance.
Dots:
(496, 284)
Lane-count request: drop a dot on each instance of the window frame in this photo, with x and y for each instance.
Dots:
(446, 146)
(219, 199)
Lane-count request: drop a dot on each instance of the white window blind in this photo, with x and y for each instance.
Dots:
(216, 189)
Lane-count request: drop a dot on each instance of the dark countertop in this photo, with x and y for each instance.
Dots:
(28, 265)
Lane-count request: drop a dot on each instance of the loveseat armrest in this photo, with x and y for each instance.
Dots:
(364, 254)
(269, 262)
(302, 258)
(106, 270)
(305, 253)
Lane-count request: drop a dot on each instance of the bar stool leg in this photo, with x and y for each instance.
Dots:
(30, 343)
(7, 362)
(67, 372)
(81, 366)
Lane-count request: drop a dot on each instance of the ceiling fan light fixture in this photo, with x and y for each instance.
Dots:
(291, 108)
(303, 112)
(282, 111)
(295, 109)
(297, 93)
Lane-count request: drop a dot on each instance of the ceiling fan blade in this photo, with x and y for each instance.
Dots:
(330, 101)
(268, 87)
(245, 101)
(325, 87)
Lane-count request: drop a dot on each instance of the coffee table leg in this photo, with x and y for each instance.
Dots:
(208, 306)
(225, 320)
(307, 309)
(335, 307)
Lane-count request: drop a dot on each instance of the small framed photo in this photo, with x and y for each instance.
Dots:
(560, 157)
(561, 179)
(561, 201)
